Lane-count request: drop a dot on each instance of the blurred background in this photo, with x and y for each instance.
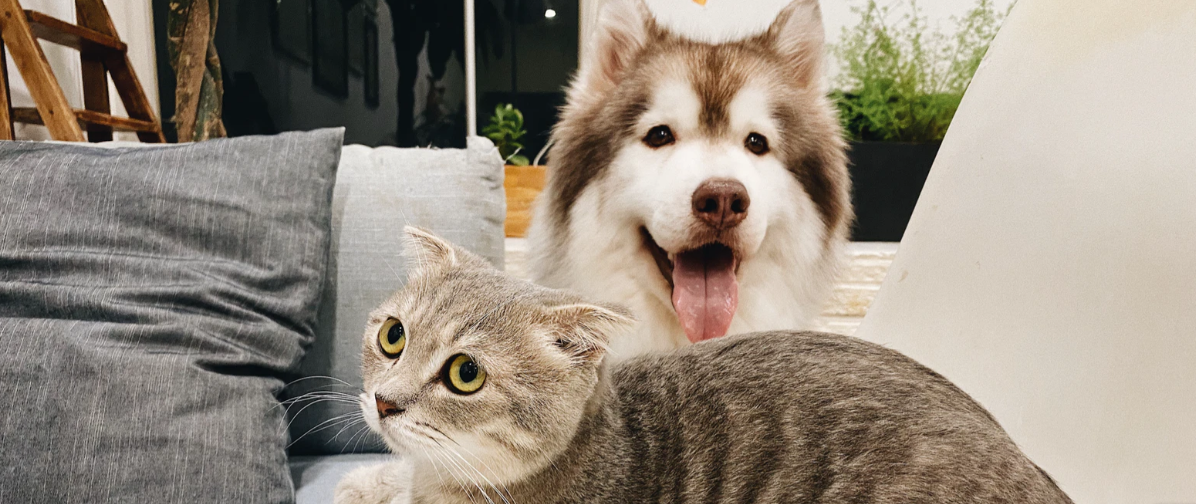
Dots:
(394, 72)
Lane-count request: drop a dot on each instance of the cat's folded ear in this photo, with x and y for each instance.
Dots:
(426, 252)
(584, 330)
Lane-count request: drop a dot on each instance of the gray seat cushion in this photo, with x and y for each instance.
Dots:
(316, 477)
(457, 193)
(151, 300)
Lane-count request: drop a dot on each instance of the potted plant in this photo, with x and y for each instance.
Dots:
(522, 182)
(898, 87)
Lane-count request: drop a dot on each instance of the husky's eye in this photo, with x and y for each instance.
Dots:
(392, 339)
(462, 375)
(756, 143)
(659, 136)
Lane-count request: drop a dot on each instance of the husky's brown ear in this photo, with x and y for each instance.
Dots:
(798, 37)
(624, 27)
(583, 330)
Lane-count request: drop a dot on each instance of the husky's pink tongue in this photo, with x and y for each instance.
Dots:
(705, 292)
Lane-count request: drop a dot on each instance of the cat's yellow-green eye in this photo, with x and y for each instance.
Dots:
(392, 338)
(462, 375)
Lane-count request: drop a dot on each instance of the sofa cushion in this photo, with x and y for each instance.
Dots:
(457, 193)
(316, 477)
(152, 303)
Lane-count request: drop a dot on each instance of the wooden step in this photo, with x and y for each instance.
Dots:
(30, 115)
(61, 32)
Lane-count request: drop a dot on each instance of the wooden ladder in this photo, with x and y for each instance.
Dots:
(102, 54)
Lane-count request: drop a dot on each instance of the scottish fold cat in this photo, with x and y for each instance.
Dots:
(495, 390)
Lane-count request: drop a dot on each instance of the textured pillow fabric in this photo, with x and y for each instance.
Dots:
(151, 302)
(457, 193)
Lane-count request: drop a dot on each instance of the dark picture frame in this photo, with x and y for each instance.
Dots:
(370, 80)
(290, 23)
(330, 68)
(358, 17)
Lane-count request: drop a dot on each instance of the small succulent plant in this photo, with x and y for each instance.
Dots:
(505, 130)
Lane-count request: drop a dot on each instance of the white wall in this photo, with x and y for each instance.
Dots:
(725, 19)
(134, 24)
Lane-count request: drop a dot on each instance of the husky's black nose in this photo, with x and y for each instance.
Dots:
(721, 202)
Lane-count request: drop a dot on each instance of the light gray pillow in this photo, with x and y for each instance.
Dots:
(151, 302)
(456, 193)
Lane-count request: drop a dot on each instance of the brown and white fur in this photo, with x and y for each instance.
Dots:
(778, 417)
(618, 212)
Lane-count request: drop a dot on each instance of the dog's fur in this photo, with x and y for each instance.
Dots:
(608, 192)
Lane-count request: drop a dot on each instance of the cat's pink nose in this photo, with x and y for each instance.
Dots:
(385, 408)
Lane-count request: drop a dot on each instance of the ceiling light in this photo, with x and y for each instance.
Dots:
(549, 13)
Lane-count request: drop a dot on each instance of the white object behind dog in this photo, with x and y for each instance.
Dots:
(1048, 268)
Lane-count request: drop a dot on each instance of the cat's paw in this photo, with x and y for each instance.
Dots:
(376, 484)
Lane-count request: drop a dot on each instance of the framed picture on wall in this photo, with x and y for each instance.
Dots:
(291, 26)
(330, 69)
(370, 60)
(359, 16)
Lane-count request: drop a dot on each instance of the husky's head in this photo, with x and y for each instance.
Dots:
(701, 174)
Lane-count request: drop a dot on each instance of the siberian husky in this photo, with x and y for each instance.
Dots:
(704, 185)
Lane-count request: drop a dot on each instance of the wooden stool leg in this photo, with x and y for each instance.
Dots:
(55, 112)
(95, 95)
(92, 14)
(6, 129)
(136, 103)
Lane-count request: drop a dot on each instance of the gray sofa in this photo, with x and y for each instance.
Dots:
(174, 319)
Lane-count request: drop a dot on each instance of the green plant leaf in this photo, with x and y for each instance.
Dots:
(505, 130)
(901, 81)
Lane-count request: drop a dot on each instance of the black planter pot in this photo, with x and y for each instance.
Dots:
(886, 179)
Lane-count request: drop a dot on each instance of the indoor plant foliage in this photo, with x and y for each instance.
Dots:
(899, 80)
(505, 129)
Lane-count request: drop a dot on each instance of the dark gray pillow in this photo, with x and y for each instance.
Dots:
(151, 302)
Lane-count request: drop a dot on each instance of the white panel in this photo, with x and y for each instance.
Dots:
(1048, 269)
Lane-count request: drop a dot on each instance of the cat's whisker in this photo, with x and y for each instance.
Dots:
(295, 416)
(435, 468)
(313, 398)
(438, 431)
(364, 428)
(454, 475)
(484, 493)
(346, 427)
(297, 400)
(320, 393)
(325, 377)
(317, 427)
(365, 435)
(483, 461)
(464, 464)
(425, 428)
(468, 464)
(389, 266)
(343, 422)
(301, 410)
(331, 422)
